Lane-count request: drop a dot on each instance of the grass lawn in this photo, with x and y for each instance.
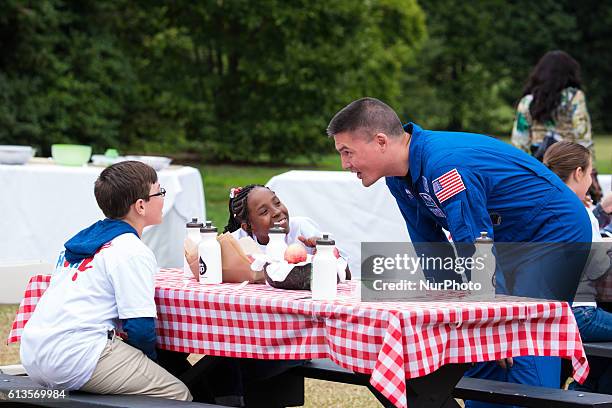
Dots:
(603, 154)
(9, 354)
(218, 179)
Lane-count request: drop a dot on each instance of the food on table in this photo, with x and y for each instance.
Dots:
(295, 253)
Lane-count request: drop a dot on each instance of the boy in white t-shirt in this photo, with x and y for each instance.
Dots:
(104, 280)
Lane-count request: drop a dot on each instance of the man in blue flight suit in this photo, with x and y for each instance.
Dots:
(468, 183)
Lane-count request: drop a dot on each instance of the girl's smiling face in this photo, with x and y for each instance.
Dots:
(264, 209)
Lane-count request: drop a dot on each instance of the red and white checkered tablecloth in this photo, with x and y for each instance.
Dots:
(392, 341)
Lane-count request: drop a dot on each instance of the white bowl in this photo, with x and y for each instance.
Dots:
(157, 162)
(15, 154)
(102, 160)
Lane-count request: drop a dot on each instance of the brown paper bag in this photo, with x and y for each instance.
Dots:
(235, 264)
(191, 255)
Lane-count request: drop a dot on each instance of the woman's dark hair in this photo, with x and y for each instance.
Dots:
(555, 71)
(238, 208)
(565, 157)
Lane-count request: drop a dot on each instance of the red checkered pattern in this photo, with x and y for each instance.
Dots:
(392, 341)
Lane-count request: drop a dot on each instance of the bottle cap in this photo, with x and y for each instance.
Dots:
(194, 223)
(326, 240)
(209, 227)
(277, 229)
(484, 238)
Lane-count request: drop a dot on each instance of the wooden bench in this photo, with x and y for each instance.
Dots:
(275, 392)
(82, 399)
(470, 388)
(430, 391)
(527, 395)
(602, 349)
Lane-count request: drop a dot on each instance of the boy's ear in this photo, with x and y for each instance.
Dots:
(245, 226)
(139, 206)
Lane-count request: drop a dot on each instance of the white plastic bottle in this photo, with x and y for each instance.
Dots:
(209, 254)
(192, 240)
(324, 275)
(483, 271)
(275, 250)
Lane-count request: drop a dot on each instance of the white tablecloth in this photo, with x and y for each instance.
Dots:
(43, 205)
(338, 202)
(605, 181)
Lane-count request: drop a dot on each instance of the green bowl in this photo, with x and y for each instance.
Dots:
(70, 155)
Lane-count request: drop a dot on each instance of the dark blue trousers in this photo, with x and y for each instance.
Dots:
(548, 266)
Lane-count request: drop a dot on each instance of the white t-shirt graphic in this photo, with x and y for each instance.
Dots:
(63, 340)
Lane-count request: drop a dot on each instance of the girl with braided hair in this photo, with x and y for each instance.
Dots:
(254, 208)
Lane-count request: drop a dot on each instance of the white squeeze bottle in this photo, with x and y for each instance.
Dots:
(275, 250)
(324, 275)
(209, 254)
(484, 272)
(192, 239)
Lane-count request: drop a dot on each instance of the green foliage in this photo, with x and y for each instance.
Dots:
(233, 80)
(273, 74)
(62, 77)
(473, 66)
(593, 51)
(258, 80)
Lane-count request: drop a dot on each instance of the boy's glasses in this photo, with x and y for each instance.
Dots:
(162, 192)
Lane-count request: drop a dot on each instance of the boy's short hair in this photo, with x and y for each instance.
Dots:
(368, 114)
(120, 185)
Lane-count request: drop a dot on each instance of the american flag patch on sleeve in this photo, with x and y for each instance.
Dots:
(448, 185)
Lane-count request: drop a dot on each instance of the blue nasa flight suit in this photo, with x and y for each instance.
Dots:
(526, 200)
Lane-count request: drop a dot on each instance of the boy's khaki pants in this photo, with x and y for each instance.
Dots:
(123, 369)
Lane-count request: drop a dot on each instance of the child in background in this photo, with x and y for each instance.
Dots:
(104, 280)
(573, 164)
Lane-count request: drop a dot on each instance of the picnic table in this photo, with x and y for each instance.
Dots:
(396, 343)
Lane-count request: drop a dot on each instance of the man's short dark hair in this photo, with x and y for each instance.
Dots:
(369, 114)
(121, 185)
